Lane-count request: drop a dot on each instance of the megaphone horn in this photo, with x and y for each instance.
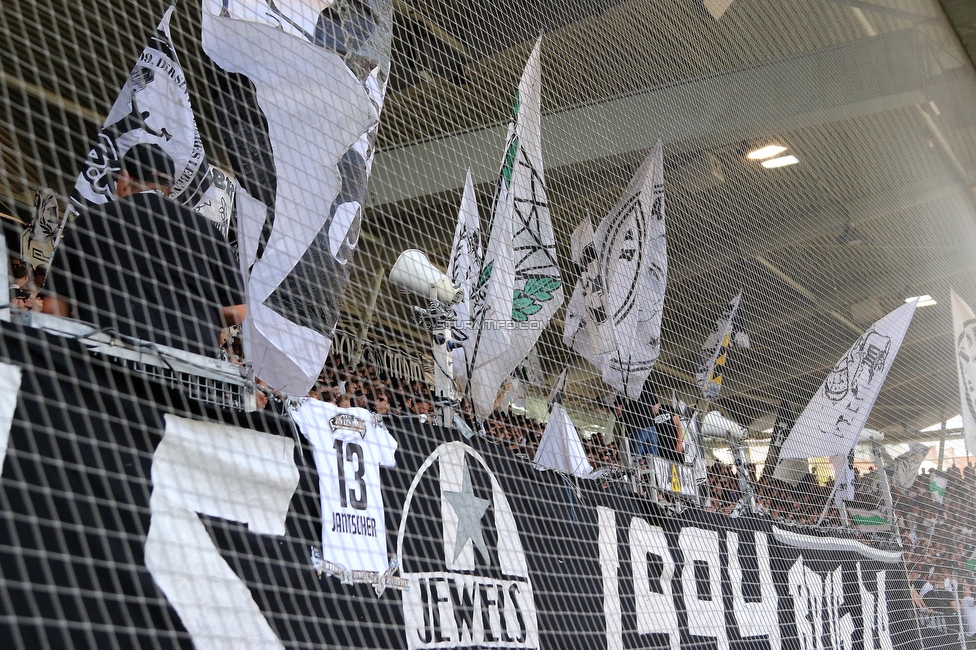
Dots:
(413, 273)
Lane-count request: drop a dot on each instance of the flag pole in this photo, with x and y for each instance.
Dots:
(886, 493)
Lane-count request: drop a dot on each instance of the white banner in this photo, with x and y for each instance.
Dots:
(464, 267)
(832, 421)
(153, 107)
(964, 339)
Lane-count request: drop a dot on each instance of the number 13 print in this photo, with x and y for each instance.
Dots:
(354, 496)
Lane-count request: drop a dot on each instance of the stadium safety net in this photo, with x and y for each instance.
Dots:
(526, 324)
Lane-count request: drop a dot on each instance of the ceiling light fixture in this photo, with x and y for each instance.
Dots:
(768, 151)
(923, 301)
(782, 161)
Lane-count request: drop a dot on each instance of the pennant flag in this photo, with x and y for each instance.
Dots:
(464, 266)
(561, 448)
(301, 131)
(869, 521)
(153, 107)
(832, 421)
(558, 390)
(519, 285)
(711, 367)
(937, 485)
(614, 318)
(904, 468)
(964, 335)
(588, 328)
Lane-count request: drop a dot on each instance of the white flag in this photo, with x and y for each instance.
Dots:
(588, 329)
(464, 266)
(153, 107)
(558, 389)
(904, 468)
(561, 448)
(521, 252)
(844, 478)
(832, 421)
(711, 365)
(632, 246)
(488, 363)
(964, 338)
(312, 142)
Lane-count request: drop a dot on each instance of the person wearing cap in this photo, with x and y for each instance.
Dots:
(146, 266)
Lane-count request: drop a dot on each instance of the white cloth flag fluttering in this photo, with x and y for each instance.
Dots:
(588, 329)
(904, 468)
(521, 252)
(631, 250)
(964, 340)
(560, 447)
(320, 119)
(833, 420)
(152, 108)
(464, 266)
(727, 334)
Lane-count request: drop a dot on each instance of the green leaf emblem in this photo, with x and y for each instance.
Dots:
(485, 274)
(529, 300)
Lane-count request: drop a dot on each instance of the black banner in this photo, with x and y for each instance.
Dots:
(492, 552)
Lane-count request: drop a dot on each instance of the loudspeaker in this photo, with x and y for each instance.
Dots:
(716, 425)
(413, 273)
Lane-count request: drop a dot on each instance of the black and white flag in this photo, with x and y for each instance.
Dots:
(904, 468)
(588, 328)
(37, 242)
(964, 347)
(464, 268)
(153, 107)
(714, 353)
(298, 88)
(833, 420)
(620, 296)
(520, 287)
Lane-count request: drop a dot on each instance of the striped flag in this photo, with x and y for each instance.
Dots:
(869, 521)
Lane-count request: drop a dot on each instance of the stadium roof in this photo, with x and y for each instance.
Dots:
(874, 97)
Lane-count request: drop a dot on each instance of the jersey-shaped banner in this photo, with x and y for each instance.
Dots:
(349, 445)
